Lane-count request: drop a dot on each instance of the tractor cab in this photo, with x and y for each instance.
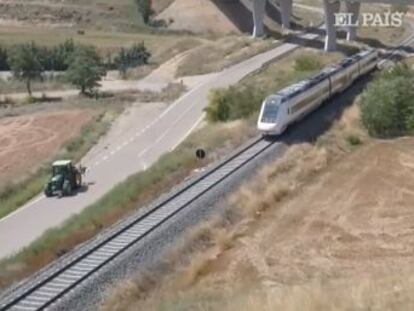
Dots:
(61, 167)
(65, 179)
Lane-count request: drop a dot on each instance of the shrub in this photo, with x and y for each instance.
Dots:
(134, 56)
(4, 65)
(354, 140)
(307, 63)
(233, 103)
(387, 105)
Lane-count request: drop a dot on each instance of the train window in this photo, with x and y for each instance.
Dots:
(302, 104)
(271, 109)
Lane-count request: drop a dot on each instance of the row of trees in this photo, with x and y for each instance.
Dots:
(83, 65)
(50, 58)
(56, 58)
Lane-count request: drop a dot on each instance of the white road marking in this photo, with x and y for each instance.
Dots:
(167, 131)
(198, 86)
(143, 152)
(188, 132)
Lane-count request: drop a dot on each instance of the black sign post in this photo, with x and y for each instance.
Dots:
(200, 154)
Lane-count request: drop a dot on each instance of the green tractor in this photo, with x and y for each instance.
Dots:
(66, 178)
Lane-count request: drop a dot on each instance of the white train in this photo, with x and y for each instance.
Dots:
(294, 102)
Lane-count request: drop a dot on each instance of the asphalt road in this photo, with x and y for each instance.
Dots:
(144, 140)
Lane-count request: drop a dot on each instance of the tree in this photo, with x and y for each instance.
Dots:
(138, 55)
(144, 9)
(25, 65)
(4, 65)
(122, 61)
(234, 103)
(134, 56)
(61, 55)
(387, 105)
(85, 69)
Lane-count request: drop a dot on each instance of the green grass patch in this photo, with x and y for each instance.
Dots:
(354, 140)
(245, 98)
(307, 63)
(387, 105)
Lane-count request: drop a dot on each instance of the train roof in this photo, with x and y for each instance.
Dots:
(303, 85)
(299, 87)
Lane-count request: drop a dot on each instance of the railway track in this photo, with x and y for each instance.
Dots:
(51, 285)
(55, 284)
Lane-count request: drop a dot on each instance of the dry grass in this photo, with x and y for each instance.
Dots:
(199, 252)
(224, 52)
(163, 44)
(15, 86)
(86, 14)
(168, 94)
(376, 292)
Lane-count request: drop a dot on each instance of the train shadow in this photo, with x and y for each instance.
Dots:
(318, 122)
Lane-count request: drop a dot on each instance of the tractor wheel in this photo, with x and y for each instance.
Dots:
(66, 188)
(48, 193)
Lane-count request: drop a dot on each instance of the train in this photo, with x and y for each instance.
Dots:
(292, 103)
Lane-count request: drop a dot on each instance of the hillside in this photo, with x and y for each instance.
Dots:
(92, 14)
(199, 16)
(328, 227)
(226, 16)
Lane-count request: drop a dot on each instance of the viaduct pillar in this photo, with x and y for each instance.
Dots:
(286, 12)
(352, 8)
(258, 17)
(331, 7)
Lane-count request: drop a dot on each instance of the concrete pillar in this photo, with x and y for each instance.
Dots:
(352, 8)
(331, 7)
(285, 12)
(258, 17)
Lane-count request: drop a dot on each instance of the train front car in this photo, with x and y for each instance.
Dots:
(272, 116)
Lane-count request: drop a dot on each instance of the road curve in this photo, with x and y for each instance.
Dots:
(138, 148)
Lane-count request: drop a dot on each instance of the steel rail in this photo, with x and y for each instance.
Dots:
(53, 287)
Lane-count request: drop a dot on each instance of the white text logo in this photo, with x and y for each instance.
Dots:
(387, 19)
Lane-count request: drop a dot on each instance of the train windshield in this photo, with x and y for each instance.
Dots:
(271, 109)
